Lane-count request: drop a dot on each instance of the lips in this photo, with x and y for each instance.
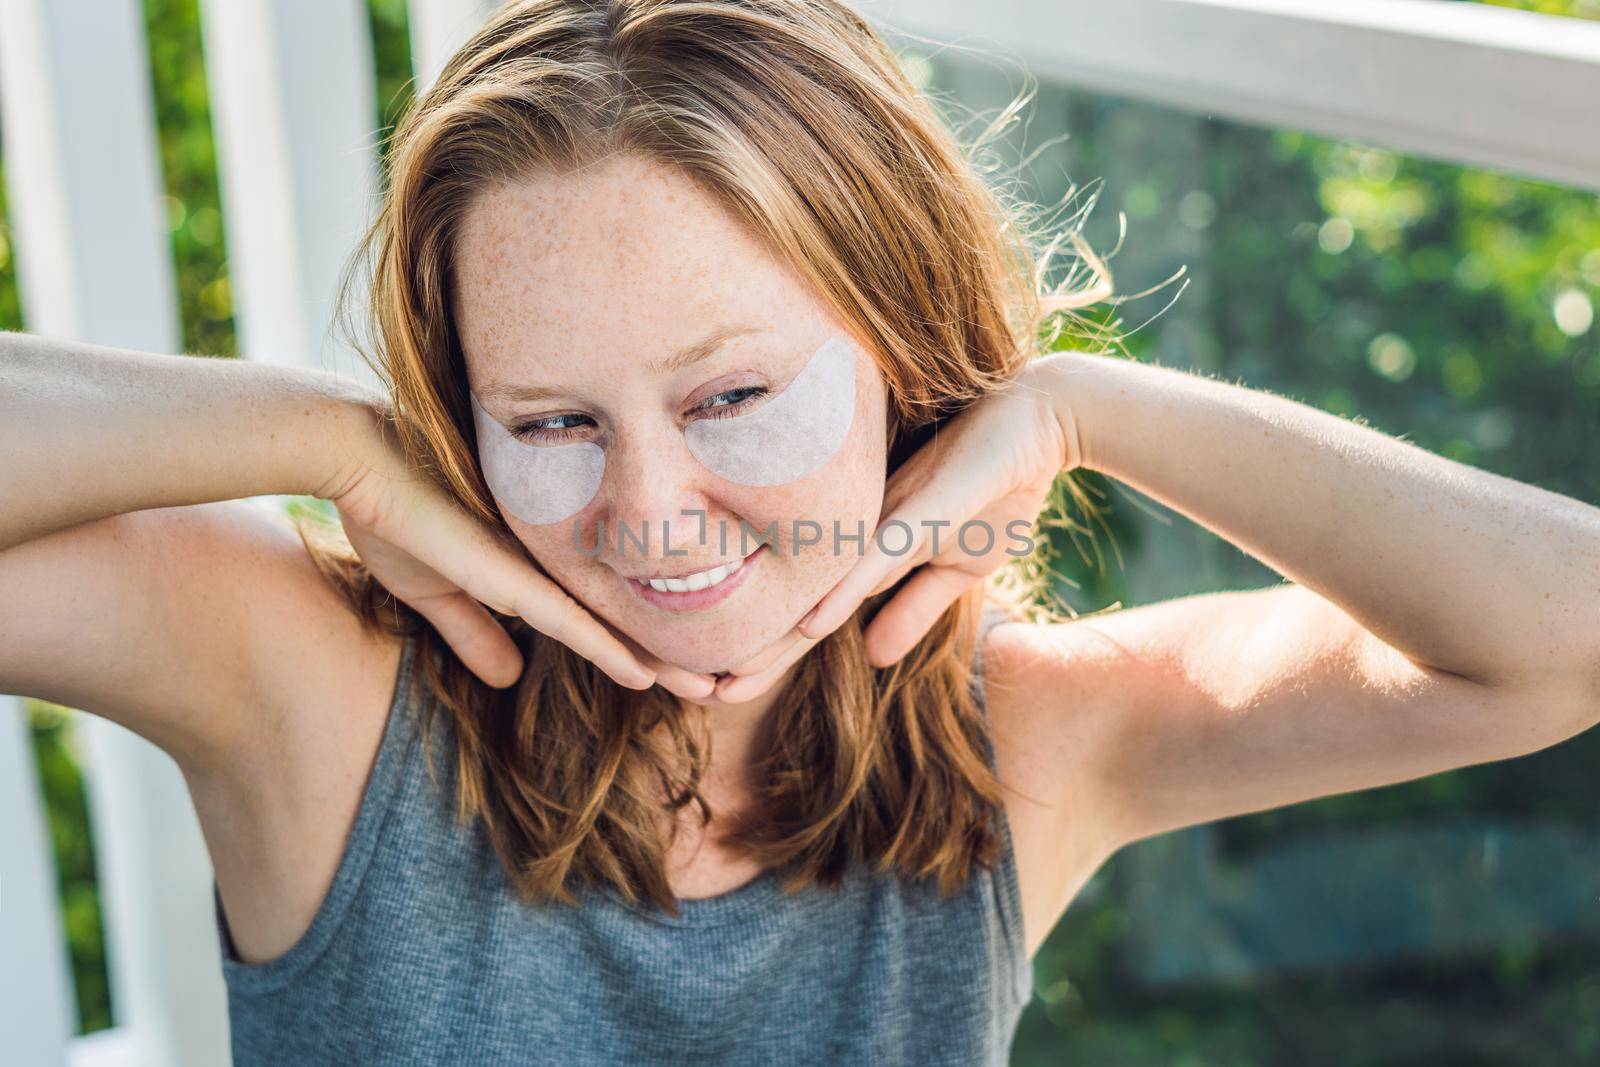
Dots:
(699, 579)
(698, 599)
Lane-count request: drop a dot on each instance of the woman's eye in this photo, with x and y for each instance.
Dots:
(544, 431)
(746, 395)
(550, 431)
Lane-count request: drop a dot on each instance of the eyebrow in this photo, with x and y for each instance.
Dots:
(677, 361)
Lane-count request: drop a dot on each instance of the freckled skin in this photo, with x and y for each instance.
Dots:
(578, 282)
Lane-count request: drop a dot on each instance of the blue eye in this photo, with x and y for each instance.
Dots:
(541, 431)
(546, 431)
(751, 394)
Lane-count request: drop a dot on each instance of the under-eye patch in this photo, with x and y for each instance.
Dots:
(539, 484)
(791, 435)
(783, 440)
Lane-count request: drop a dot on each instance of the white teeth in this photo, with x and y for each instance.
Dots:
(701, 580)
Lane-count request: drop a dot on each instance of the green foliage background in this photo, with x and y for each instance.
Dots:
(1433, 301)
(1448, 305)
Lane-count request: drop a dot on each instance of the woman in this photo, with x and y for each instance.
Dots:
(650, 276)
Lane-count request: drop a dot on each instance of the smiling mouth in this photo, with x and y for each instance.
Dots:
(689, 583)
(696, 591)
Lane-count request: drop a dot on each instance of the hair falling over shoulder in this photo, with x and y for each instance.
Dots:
(800, 119)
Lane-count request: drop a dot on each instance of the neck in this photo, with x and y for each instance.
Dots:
(740, 734)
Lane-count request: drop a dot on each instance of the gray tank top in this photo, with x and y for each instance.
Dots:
(421, 953)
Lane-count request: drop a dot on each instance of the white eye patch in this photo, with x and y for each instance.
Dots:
(791, 435)
(783, 440)
(538, 484)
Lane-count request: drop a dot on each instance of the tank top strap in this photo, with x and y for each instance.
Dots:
(1008, 884)
(992, 615)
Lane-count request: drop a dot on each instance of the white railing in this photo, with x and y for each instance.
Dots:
(1467, 83)
(93, 262)
(293, 104)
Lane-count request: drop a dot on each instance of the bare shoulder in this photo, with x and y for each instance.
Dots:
(277, 820)
(1120, 726)
(321, 678)
(192, 626)
(209, 630)
(1065, 692)
(1050, 692)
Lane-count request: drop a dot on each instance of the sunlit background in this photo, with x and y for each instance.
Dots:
(1451, 920)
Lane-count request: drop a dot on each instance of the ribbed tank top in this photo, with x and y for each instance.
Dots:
(421, 953)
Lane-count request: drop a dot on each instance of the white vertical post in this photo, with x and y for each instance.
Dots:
(36, 999)
(93, 263)
(293, 102)
(438, 28)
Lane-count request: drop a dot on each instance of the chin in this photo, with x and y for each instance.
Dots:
(737, 644)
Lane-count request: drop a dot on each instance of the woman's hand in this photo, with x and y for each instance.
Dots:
(993, 463)
(448, 565)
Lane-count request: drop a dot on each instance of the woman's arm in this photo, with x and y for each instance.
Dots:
(132, 584)
(1444, 616)
(92, 431)
(1459, 569)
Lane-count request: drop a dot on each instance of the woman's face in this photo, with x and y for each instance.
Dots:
(656, 330)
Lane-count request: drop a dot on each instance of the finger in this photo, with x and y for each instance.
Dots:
(840, 602)
(549, 609)
(883, 586)
(505, 579)
(912, 612)
(735, 689)
(480, 642)
(907, 563)
(769, 655)
(680, 681)
(878, 566)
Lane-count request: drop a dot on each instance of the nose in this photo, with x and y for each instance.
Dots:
(655, 504)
